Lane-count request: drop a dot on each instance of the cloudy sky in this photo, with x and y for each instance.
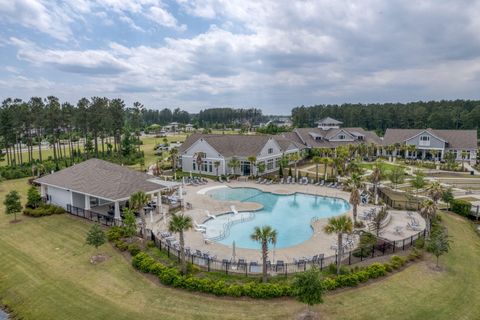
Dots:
(269, 54)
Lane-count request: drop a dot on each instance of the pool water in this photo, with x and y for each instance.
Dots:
(290, 215)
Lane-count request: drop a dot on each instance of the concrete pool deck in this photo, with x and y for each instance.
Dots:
(318, 243)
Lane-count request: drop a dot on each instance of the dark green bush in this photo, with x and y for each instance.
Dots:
(134, 249)
(419, 243)
(397, 262)
(43, 210)
(461, 207)
(115, 233)
(367, 241)
(121, 245)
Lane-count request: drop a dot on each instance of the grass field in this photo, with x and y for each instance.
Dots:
(45, 274)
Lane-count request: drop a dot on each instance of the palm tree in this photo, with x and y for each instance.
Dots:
(199, 160)
(428, 210)
(264, 235)
(317, 160)
(326, 161)
(138, 200)
(216, 164)
(375, 178)
(355, 183)
(173, 155)
(253, 161)
(234, 164)
(339, 225)
(295, 157)
(411, 149)
(435, 191)
(179, 223)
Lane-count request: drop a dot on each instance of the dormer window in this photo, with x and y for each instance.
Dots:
(270, 150)
(424, 141)
(341, 137)
(424, 138)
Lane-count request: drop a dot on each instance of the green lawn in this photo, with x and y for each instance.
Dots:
(45, 274)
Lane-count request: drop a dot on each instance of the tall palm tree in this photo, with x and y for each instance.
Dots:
(253, 161)
(339, 225)
(326, 161)
(435, 191)
(264, 235)
(295, 157)
(428, 210)
(234, 164)
(375, 178)
(138, 200)
(173, 157)
(179, 223)
(317, 160)
(355, 183)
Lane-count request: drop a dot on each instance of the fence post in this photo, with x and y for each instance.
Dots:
(168, 251)
(305, 266)
(349, 257)
(208, 264)
(321, 264)
(178, 255)
(403, 244)
(373, 250)
(383, 248)
(246, 269)
(286, 271)
(226, 267)
(394, 245)
(411, 241)
(336, 259)
(361, 254)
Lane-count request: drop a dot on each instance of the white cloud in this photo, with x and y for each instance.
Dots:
(164, 18)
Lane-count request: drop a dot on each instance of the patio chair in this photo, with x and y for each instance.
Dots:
(253, 267)
(228, 180)
(322, 183)
(270, 182)
(258, 180)
(198, 253)
(281, 181)
(241, 264)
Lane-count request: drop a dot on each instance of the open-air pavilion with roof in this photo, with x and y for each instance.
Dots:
(103, 188)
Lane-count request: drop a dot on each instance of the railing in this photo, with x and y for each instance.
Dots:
(91, 215)
(252, 268)
(246, 216)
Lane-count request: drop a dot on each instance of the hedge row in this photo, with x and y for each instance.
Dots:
(43, 210)
(461, 207)
(172, 276)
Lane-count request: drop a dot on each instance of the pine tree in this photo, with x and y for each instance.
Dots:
(96, 236)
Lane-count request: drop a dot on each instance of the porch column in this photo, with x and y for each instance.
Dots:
(117, 210)
(424, 153)
(159, 203)
(87, 202)
(180, 192)
(442, 154)
(43, 190)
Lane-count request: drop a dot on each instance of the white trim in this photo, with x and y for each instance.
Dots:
(199, 140)
(422, 133)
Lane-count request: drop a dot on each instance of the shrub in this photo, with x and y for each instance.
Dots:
(121, 245)
(376, 270)
(150, 244)
(134, 249)
(397, 262)
(461, 207)
(115, 233)
(43, 210)
(419, 243)
(367, 241)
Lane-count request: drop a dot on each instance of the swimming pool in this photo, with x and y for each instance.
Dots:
(290, 215)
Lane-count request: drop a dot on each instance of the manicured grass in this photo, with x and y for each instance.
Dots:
(45, 274)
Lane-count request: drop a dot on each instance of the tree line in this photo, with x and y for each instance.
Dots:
(105, 126)
(444, 114)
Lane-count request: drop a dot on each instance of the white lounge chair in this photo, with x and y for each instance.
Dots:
(202, 226)
(210, 215)
(234, 210)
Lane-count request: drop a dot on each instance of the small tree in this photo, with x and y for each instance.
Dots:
(261, 167)
(317, 160)
(428, 210)
(397, 176)
(138, 200)
(418, 182)
(447, 196)
(33, 197)
(129, 223)
(308, 287)
(95, 236)
(439, 243)
(12, 204)
(339, 225)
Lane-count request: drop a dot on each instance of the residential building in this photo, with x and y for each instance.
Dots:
(189, 127)
(432, 144)
(211, 153)
(330, 134)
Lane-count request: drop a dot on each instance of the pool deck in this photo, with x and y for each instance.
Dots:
(319, 243)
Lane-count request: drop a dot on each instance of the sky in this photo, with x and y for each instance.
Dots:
(274, 55)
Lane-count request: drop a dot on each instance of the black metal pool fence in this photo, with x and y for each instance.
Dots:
(253, 268)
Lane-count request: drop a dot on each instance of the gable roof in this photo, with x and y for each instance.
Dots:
(456, 139)
(329, 120)
(306, 137)
(102, 179)
(230, 145)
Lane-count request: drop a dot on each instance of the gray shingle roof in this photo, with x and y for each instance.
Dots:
(456, 139)
(329, 120)
(230, 145)
(304, 134)
(102, 179)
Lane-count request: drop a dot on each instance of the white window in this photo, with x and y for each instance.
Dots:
(424, 138)
(270, 164)
(341, 137)
(424, 141)
(270, 150)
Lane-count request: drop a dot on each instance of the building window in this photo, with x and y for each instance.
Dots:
(424, 138)
(341, 137)
(270, 164)
(270, 150)
(194, 166)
